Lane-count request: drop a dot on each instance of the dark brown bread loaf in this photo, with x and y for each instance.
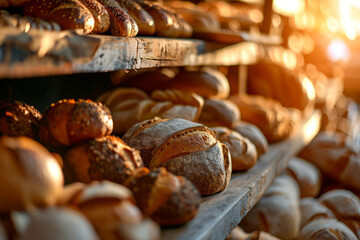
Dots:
(184, 148)
(18, 119)
(107, 158)
(69, 14)
(68, 122)
(176, 200)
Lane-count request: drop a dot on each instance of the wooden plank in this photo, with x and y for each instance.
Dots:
(219, 214)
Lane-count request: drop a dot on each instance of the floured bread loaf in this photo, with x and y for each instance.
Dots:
(184, 148)
(219, 113)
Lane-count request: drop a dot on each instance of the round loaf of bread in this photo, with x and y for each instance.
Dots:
(176, 200)
(18, 119)
(243, 152)
(29, 175)
(106, 158)
(68, 122)
(59, 223)
(184, 148)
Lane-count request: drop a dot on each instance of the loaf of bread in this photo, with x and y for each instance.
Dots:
(219, 113)
(129, 106)
(68, 122)
(306, 175)
(243, 152)
(334, 158)
(121, 23)
(207, 82)
(69, 14)
(274, 81)
(100, 14)
(239, 234)
(278, 211)
(19, 119)
(176, 200)
(110, 208)
(58, 223)
(29, 175)
(106, 158)
(311, 209)
(329, 229)
(253, 133)
(184, 148)
(275, 121)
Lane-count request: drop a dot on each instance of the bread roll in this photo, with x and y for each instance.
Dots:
(107, 158)
(253, 133)
(29, 175)
(311, 209)
(207, 83)
(239, 234)
(278, 210)
(69, 14)
(275, 121)
(110, 209)
(100, 14)
(307, 176)
(121, 23)
(18, 119)
(326, 229)
(176, 200)
(58, 223)
(184, 148)
(219, 113)
(243, 152)
(274, 81)
(334, 158)
(68, 122)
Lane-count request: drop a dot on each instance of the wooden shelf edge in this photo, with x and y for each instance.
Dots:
(219, 214)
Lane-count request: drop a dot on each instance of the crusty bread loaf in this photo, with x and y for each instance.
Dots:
(253, 133)
(68, 122)
(334, 158)
(58, 223)
(278, 210)
(219, 113)
(69, 14)
(207, 82)
(326, 229)
(243, 152)
(110, 208)
(142, 18)
(129, 106)
(275, 121)
(176, 200)
(184, 148)
(239, 234)
(311, 209)
(107, 158)
(274, 81)
(307, 176)
(121, 23)
(19, 119)
(100, 14)
(29, 175)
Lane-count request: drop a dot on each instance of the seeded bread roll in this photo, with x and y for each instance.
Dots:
(306, 175)
(110, 208)
(68, 122)
(208, 83)
(176, 200)
(100, 14)
(184, 148)
(253, 133)
(107, 158)
(69, 14)
(219, 113)
(18, 119)
(243, 152)
(29, 175)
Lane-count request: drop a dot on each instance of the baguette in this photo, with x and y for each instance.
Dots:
(101, 16)
(311, 209)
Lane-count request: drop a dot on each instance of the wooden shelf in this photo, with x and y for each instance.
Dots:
(109, 53)
(219, 214)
